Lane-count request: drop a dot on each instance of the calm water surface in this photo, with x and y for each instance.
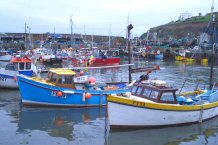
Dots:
(54, 126)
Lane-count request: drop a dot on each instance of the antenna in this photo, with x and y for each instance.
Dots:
(127, 35)
(130, 6)
(212, 7)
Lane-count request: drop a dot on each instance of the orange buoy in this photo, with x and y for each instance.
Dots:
(88, 95)
(59, 94)
(59, 121)
(92, 80)
(81, 73)
(15, 78)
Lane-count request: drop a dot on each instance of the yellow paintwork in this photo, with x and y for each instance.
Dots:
(62, 71)
(192, 93)
(204, 60)
(189, 59)
(41, 80)
(159, 106)
(181, 58)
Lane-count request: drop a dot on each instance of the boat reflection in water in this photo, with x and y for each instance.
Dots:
(196, 134)
(78, 125)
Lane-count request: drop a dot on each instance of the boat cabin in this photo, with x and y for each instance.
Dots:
(23, 65)
(156, 91)
(62, 77)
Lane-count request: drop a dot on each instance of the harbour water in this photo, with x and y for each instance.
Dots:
(89, 126)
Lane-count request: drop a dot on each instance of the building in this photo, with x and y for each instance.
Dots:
(29, 41)
(184, 16)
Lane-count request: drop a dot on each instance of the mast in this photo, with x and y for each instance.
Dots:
(109, 43)
(71, 32)
(92, 41)
(129, 27)
(25, 37)
(213, 45)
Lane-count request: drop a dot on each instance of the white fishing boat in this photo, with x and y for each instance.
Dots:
(8, 74)
(154, 104)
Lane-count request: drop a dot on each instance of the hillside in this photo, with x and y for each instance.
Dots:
(191, 27)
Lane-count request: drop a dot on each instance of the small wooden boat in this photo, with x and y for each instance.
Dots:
(64, 88)
(155, 104)
(8, 74)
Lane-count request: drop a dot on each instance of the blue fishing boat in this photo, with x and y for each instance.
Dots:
(62, 87)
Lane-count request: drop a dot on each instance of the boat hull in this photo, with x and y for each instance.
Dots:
(106, 61)
(5, 58)
(42, 94)
(182, 58)
(125, 112)
(8, 81)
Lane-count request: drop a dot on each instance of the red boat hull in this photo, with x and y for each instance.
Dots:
(107, 61)
(98, 61)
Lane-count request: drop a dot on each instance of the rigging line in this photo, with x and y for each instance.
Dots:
(113, 38)
(130, 7)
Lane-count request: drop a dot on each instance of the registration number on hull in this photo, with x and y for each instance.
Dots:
(3, 79)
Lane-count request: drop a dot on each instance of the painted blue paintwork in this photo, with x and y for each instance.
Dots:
(43, 94)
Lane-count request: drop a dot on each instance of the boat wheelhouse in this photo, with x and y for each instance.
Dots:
(156, 91)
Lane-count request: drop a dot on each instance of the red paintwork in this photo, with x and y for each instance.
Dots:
(107, 61)
(23, 59)
(98, 61)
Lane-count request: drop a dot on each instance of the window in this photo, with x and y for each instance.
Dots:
(147, 93)
(54, 77)
(154, 94)
(16, 66)
(28, 65)
(10, 67)
(66, 79)
(49, 75)
(134, 89)
(21, 66)
(139, 91)
(167, 96)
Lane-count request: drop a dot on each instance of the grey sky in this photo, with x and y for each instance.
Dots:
(96, 17)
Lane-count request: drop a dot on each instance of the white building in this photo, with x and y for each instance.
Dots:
(184, 16)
